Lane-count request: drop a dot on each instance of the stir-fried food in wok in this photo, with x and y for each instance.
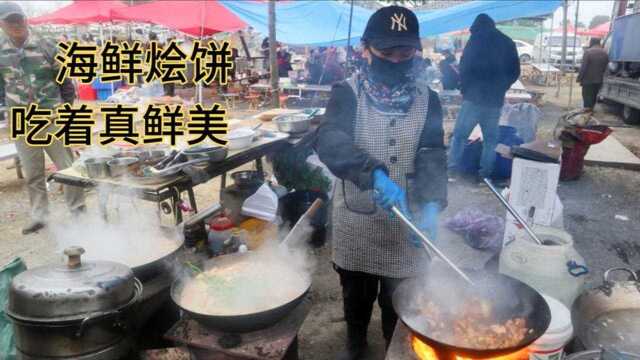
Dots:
(474, 326)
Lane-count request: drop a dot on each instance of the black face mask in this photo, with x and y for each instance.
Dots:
(390, 73)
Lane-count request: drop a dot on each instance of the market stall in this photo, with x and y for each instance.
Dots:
(452, 99)
(542, 74)
(229, 281)
(159, 189)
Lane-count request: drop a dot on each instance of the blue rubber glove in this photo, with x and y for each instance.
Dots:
(427, 223)
(388, 193)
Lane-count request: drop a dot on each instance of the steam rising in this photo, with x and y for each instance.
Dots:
(260, 280)
(453, 295)
(132, 235)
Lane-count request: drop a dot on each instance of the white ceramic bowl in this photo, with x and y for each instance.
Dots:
(240, 138)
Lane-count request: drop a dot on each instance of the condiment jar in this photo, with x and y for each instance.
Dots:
(219, 232)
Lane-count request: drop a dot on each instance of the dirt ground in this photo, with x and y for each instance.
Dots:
(590, 208)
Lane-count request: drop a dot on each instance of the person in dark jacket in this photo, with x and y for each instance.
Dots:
(382, 135)
(314, 66)
(333, 70)
(449, 71)
(284, 63)
(590, 77)
(488, 68)
(264, 48)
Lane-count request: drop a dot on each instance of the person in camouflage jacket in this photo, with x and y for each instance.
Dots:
(27, 76)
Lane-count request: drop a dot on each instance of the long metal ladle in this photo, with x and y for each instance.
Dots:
(429, 244)
(513, 211)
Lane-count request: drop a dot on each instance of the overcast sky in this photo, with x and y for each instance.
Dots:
(587, 9)
(39, 7)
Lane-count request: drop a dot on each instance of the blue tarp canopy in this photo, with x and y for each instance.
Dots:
(321, 23)
(317, 23)
(461, 16)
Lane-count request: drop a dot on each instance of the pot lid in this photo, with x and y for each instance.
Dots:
(70, 291)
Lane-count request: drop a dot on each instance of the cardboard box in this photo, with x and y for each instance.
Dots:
(513, 230)
(534, 184)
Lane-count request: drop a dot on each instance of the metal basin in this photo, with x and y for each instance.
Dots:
(123, 166)
(97, 168)
(246, 178)
(214, 153)
(293, 123)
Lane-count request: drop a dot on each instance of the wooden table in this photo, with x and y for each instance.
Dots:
(544, 74)
(452, 99)
(171, 189)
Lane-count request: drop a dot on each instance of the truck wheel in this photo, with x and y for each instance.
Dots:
(609, 106)
(630, 115)
(525, 58)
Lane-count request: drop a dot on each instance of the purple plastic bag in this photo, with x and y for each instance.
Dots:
(480, 231)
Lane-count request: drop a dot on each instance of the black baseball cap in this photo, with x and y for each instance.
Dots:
(392, 26)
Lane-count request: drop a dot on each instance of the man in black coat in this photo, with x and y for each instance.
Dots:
(488, 68)
(591, 75)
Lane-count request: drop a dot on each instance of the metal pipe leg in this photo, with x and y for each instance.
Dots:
(192, 199)
(259, 167)
(175, 199)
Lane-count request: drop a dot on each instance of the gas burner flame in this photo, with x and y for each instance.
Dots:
(426, 352)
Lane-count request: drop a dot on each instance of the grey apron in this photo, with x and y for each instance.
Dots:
(365, 238)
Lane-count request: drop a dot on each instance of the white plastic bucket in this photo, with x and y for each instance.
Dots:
(550, 346)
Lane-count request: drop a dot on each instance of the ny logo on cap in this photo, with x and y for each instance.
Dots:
(398, 21)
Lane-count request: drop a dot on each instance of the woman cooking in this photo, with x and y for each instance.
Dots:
(383, 134)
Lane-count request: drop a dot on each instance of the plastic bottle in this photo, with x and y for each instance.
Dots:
(219, 232)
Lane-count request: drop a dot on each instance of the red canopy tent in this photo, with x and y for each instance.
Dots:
(570, 29)
(599, 31)
(81, 12)
(193, 17)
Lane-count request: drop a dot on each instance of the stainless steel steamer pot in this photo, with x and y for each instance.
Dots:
(79, 310)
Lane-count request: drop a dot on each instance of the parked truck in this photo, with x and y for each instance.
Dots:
(622, 80)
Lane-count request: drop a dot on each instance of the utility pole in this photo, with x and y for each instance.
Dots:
(620, 9)
(575, 40)
(273, 60)
(349, 39)
(565, 20)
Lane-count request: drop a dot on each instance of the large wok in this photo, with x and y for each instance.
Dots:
(147, 256)
(155, 265)
(236, 323)
(509, 298)
(158, 266)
